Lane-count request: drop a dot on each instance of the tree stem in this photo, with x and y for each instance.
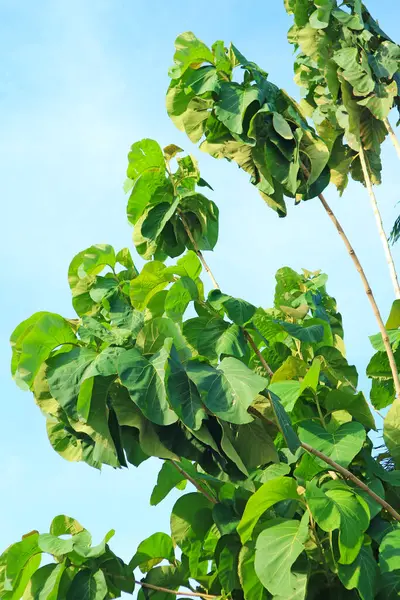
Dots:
(379, 224)
(256, 350)
(349, 475)
(368, 291)
(393, 136)
(194, 482)
(158, 588)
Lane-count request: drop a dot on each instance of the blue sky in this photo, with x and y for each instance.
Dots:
(80, 82)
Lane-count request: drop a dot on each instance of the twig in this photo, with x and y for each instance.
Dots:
(393, 136)
(368, 291)
(349, 475)
(256, 350)
(158, 588)
(379, 224)
(194, 482)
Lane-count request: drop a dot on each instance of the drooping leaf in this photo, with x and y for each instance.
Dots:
(168, 478)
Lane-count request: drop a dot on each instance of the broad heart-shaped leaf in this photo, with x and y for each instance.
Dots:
(150, 189)
(189, 51)
(191, 519)
(226, 558)
(183, 395)
(312, 334)
(341, 445)
(145, 155)
(277, 547)
(144, 380)
(361, 574)
(88, 585)
(181, 293)
(153, 278)
(287, 391)
(227, 391)
(234, 99)
(153, 335)
(272, 491)
(232, 342)
(168, 478)
(33, 341)
(204, 334)
(152, 551)
(391, 431)
(355, 404)
(239, 311)
(343, 509)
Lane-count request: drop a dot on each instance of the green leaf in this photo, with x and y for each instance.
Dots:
(234, 100)
(393, 321)
(232, 342)
(191, 519)
(239, 311)
(341, 445)
(144, 380)
(34, 340)
(361, 574)
(341, 509)
(271, 492)
(152, 551)
(389, 551)
(183, 395)
(203, 334)
(145, 155)
(153, 278)
(277, 548)
(355, 404)
(285, 424)
(281, 126)
(181, 293)
(88, 586)
(251, 585)
(227, 391)
(226, 558)
(154, 333)
(45, 582)
(16, 558)
(156, 218)
(312, 334)
(150, 189)
(168, 478)
(391, 431)
(358, 75)
(287, 391)
(189, 51)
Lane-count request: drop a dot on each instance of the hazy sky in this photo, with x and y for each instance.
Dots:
(81, 80)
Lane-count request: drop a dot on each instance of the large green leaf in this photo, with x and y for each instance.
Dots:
(181, 293)
(355, 404)
(234, 100)
(340, 445)
(153, 278)
(154, 333)
(168, 478)
(189, 51)
(152, 551)
(145, 155)
(284, 423)
(277, 548)
(144, 380)
(45, 583)
(88, 586)
(389, 556)
(183, 395)
(191, 519)
(204, 335)
(227, 391)
(33, 341)
(252, 587)
(271, 492)
(343, 509)
(239, 311)
(361, 574)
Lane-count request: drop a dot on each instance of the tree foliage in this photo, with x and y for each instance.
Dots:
(258, 408)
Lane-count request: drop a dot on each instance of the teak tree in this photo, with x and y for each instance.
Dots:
(257, 408)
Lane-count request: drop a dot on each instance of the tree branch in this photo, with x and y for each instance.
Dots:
(393, 136)
(349, 475)
(379, 224)
(158, 588)
(194, 482)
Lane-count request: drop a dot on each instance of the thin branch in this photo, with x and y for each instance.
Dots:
(198, 251)
(349, 475)
(194, 482)
(368, 291)
(158, 588)
(256, 350)
(379, 224)
(393, 136)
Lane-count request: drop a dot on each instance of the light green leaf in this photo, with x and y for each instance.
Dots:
(16, 559)
(277, 548)
(252, 587)
(152, 551)
(189, 52)
(389, 552)
(168, 478)
(271, 492)
(150, 189)
(45, 582)
(181, 293)
(232, 342)
(281, 126)
(355, 404)
(287, 391)
(144, 380)
(154, 333)
(393, 321)
(391, 431)
(227, 391)
(145, 155)
(153, 278)
(234, 100)
(341, 445)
